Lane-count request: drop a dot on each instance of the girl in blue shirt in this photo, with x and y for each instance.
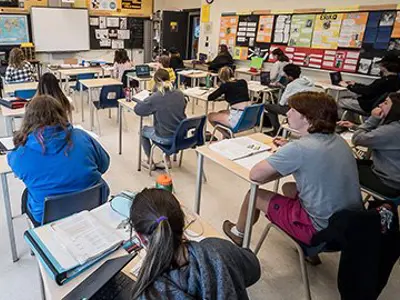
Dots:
(53, 158)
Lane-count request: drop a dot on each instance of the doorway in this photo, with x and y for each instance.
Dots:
(193, 34)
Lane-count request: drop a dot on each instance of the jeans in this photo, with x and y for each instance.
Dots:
(148, 135)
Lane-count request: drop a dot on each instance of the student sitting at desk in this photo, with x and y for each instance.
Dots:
(175, 268)
(164, 64)
(366, 97)
(18, 70)
(168, 107)
(121, 63)
(322, 164)
(236, 94)
(223, 59)
(49, 85)
(277, 68)
(380, 133)
(52, 158)
(296, 84)
(176, 61)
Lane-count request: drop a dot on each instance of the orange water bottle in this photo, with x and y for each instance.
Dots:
(164, 182)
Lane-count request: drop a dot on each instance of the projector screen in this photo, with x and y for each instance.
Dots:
(60, 29)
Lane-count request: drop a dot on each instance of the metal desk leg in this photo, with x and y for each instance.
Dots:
(120, 128)
(140, 145)
(9, 219)
(60, 78)
(91, 110)
(67, 85)
(9, 126)
(81, 95)
(199, 182)
(250, 215)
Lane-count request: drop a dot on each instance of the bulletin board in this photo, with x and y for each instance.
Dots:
(142, 8)
(349, 40)
(116, 32)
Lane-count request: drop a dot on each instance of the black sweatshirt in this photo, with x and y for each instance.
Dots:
(369, 95)
(234, 91)
(222, 60)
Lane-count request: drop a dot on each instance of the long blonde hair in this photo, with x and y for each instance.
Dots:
(16, 58)
(226, 74)
(162, 81)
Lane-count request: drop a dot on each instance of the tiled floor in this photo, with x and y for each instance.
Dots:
(221, 197)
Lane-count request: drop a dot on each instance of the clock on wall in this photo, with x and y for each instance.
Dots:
(209, 1)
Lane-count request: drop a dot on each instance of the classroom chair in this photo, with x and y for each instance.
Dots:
(370, 193)
(109, 97)
(250, 118)
(25, 94)
(77, 86)
(189, 134)
(124, 79)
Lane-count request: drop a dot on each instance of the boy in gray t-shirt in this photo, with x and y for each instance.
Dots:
(322, 164)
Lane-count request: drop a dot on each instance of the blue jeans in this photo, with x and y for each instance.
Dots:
(148, 135)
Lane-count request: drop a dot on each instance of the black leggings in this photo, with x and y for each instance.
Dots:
(371, 181)
(25, 210)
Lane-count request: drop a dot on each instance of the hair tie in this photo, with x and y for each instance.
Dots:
(160, 219)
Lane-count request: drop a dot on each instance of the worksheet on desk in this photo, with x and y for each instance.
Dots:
(237, 148)
(250, 161)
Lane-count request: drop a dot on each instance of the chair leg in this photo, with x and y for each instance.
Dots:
(263, 237)
(109, 113)
(304, 273)
(212, 135)
(166, 165)
(174, 157)
(180, 159)
(98, 121)
(151, 158)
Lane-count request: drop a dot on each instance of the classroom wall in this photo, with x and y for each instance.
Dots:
(223, 6)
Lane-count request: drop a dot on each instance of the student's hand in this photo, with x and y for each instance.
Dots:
(346, 124)
(343, 84)
(377, 112)
(351, 82)
(280, 141)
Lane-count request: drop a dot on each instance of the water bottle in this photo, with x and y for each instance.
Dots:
(164, 182)
(208, 82)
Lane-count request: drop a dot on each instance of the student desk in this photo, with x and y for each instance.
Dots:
(130, 106)
(92, 84)
(330, 87)
(198, 94)
(4, 170)
(142, 81)
(10, 88)
(194, 75)
(56, 292)
(9, 115)
(66, 73)
(236, 169)
(246, 71)
(198, 66)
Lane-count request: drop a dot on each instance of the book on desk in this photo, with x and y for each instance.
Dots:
(69, 246)
(13, 102)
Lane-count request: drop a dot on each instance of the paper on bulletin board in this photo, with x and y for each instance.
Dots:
(301, 30)
(241, 53)
(264, 33)
(205, 13)
(228, 31)
(353, 29)
(282, 29)
(326, 31)
(396, 28)
(103, 5)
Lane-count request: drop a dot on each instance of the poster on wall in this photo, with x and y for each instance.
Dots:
(103, 4)
(326, 31)
(240, 53)
(379, 30)
(259, 50)
(308, 57)
(264, 32)
(247, 30)
(282, 29)
(352, 31)
(131, 4)
(396, 27)
(301, 30)
(228, 29)
(341, 60)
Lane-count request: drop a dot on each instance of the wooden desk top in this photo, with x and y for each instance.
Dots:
(4, 167)
(77, 71)
(99, 82)
(230, 165)
(12, 87)
(247, 71)
(7, 112)
(256, 86)
(128, 105)
(133, 76)
(189, 64)
(196, 74)
(197, 93)
(329, 86)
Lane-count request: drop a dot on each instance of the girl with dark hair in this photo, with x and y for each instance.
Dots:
(49, 85)
(175, 268)
(380, 135)
(18, 70)
(53, 158)
(277, 68)
(223, 59)
(121, 63)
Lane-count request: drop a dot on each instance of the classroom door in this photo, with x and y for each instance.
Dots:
(194, 35)
(175, 29)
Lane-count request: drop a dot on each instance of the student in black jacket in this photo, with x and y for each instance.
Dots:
(370, 96)
(176, 61)
(223, 59)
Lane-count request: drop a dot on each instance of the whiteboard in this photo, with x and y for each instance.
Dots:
(60, 29)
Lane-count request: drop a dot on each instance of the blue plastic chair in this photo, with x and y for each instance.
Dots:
(61, 206)
(109, 96)
(25, 94)
(189, 134)
(249, 119)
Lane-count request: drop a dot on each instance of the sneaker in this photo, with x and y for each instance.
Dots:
(227, 227)
(160, 165)
(146, 165)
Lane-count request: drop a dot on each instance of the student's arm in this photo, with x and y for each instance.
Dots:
(289, 91)
(8, 76)
(101, 156)
(274, 73)
(365, 90)
(146, 107)
(217, 93)
(283, 162)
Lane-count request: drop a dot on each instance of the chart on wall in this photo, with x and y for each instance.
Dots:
(352, 30)
(14, 29)
(228, 29)
(326, 31)
(264, 32)
(103, 4)
(282, 29)
(247, 31)
(379, 30)
(301, 30)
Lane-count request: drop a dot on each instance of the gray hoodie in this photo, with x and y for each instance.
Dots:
(301, 84)
(217, 270)
(384, 141)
